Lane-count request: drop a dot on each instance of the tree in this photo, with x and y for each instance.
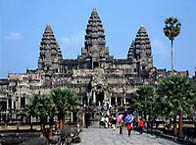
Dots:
(43, 107)
(172, 30)
(178, 95)
(65, 101)
(144, 101)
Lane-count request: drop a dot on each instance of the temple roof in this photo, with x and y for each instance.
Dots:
(142, 40)
(95, 37)
(50, 52)
(131, 50)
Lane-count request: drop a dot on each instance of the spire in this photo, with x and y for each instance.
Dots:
(142, 40)
(95, 37)
(142, 50)
(48, 29)
(130, 54)
(142, 43)
(50, 52)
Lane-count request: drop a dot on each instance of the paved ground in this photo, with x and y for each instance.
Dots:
(96, 136)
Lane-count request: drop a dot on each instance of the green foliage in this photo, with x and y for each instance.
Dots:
(172, 28)
(177, 95)
(41, 106)
(144, 100)
(65, 100)
(58, 102)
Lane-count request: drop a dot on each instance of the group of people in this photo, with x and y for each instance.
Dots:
(128, 121)
(122, 120)
(107, 121)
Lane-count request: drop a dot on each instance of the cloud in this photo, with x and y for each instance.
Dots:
(160, 48)
(73, 42)
(14, 36)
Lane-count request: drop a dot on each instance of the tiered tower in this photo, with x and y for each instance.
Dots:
(50, 58)
(140, 51)
(94, 45)
(130, 54)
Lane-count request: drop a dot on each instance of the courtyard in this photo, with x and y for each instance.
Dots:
(99, 136)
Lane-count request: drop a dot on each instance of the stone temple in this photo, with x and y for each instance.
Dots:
(95, 76)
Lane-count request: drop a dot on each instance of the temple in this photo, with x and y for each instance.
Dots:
(95, 76)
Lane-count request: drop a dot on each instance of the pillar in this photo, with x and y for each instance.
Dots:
(116, 101)
(88, 101)
(94, 97)
(71, 117)
(83, 119)
(81, 100)
(124, 100)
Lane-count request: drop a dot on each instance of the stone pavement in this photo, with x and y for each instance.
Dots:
(98, 136)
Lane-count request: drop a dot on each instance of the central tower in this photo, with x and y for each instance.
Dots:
(94, 48)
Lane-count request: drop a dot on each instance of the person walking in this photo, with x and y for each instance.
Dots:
(114, 122)
(129, 119)
(120, 123)
(141, 126)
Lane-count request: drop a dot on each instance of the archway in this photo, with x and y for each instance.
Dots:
(99, 98)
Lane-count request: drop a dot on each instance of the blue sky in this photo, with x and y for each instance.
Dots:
(22, 23)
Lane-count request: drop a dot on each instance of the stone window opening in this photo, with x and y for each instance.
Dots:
(3, 105)
(10, 103)
(95, 64)
(22, 102)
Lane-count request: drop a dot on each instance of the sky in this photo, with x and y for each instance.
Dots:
(22, 23)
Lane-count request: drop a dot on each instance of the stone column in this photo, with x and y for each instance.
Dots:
(7, 104)
(81, 100)
(17, 102)
(71, 113)
(12, 107)
(94, 97)
(124, 100)
(88, 101)
(83, 119)
(110, 100)
(121, 99)
(116, 103)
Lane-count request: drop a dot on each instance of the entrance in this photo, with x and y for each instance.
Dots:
(99, 98)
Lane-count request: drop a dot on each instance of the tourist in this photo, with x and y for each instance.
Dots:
(141, 126)
(114, 122)
(107, 121)
(129, 120)
(120, 123)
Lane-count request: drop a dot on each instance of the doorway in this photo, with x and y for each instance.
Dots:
(99, 98)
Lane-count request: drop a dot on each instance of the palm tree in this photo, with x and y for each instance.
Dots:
(179, 96)
(65, 101)
(144, 101)
(172, 30)
(42, 106)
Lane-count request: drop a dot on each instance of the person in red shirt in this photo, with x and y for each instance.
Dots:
(141, 125)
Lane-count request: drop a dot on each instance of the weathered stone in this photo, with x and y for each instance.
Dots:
(94, 76)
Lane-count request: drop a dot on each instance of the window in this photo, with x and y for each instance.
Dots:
(22, 102)
(113, 101)
(96, 64)
(10, 103)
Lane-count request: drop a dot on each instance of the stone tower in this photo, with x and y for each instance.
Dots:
(143, 51)
(140, 53)
(50, 58)
(130, 55)
(94, 46)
